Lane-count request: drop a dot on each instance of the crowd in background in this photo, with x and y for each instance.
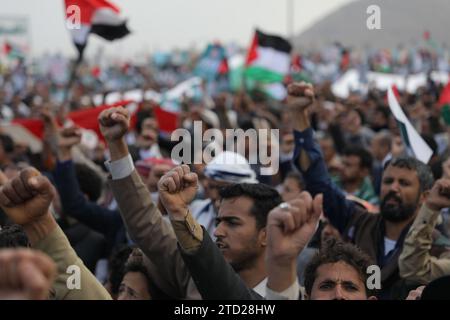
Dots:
(119, 227)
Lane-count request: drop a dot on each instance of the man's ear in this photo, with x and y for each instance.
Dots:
(262, 237)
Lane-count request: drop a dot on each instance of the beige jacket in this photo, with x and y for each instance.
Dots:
(415, 262)
(154, 236)
(57, 247)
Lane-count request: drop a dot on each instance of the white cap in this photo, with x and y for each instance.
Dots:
(230, 167)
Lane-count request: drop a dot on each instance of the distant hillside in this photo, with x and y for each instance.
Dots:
(402, 22)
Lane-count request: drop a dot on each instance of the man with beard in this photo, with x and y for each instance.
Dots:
(355, 174)
(405, 184)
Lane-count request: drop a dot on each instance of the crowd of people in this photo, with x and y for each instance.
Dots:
(133, 223)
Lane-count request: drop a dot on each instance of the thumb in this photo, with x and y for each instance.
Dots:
(37, 183)
(3, 178)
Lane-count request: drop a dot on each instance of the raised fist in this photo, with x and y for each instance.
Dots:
(291, 225)
(439, 197)
(69, 137)
(114, 123)
(26, 198)
(177, 189)
(25, 274)
(301, 96)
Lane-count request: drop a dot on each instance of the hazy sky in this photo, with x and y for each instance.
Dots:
(167, 24)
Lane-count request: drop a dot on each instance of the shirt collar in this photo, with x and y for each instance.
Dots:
(260, 288)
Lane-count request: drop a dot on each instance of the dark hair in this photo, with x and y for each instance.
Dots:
(117, 268)
(140, 118)
(264, 197)
(334, 251)
(423, 172)
(13, 236)
(7, 143)
(135, 263)
(385, 137)
(90, 182)
(297, 176)
(365, 158)
(384, 111)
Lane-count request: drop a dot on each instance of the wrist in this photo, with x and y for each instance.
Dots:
(39, 229)
(301, 120)
(64, 154)
(281, 276)
(118, 149)
(178, 213)
(432, 207)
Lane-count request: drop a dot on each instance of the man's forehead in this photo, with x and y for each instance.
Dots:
(400, 172)
(338, 272)
(237, 206)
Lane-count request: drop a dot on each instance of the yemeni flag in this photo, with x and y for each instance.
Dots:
(444, 102)
(268, 58)
(100, 17)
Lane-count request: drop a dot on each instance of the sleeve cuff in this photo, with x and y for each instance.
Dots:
(291, 293)
(121, 168)
(304, 138)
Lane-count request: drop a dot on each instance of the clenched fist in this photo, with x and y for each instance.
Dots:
(25, 274)
(301, 96)
(177, 189)
(291, 225)
(114, 123)
(26, 198)
(439, 197)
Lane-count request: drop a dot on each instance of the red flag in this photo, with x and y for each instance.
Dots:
(445, 95)
(86, 119)
(167, 121)
(35, 126)
(396, 94)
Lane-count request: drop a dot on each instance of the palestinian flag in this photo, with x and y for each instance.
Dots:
(444, 102)
(268, 58)
(415, 145)
(96, 16)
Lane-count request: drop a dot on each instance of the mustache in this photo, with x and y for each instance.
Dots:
(392, 195)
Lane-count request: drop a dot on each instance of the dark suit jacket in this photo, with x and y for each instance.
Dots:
(154, 236)
(101, 219)
(214, 277)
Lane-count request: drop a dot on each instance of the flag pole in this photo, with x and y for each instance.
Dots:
(290, 19)
(73, 74)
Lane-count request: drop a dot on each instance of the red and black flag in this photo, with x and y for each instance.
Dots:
(95, 16)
